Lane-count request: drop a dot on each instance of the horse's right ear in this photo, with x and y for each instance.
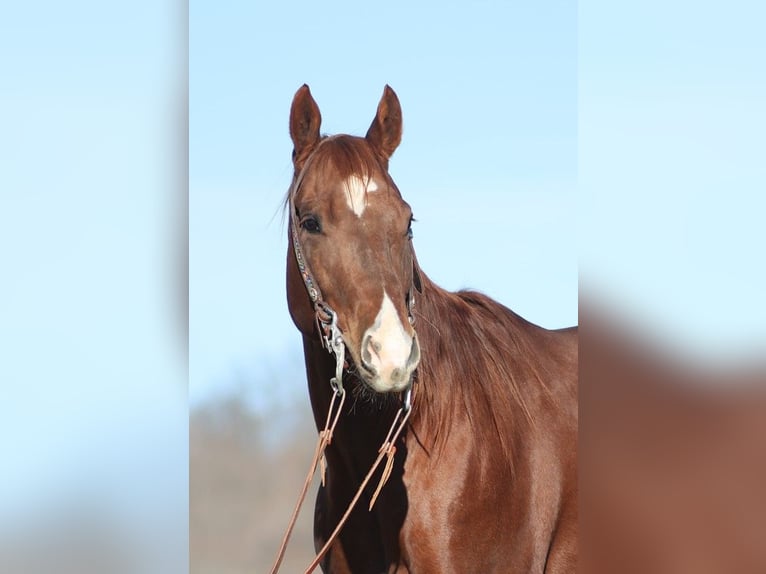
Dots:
(305, 120)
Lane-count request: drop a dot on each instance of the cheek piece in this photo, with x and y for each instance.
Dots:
(332, 340)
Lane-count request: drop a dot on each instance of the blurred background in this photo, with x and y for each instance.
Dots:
(93, 288)
(153, 414)
(671, 181)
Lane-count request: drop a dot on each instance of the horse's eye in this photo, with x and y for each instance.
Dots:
(409, 228)
(311, 224)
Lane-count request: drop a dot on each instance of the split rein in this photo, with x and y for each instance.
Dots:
(332, 340)
(387, 450)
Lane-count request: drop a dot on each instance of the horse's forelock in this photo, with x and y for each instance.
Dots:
(347, 155)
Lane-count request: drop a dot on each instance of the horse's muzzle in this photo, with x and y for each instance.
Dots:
(388, 366)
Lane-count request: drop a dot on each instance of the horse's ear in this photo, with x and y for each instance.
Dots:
(305, 120)
(385, 133)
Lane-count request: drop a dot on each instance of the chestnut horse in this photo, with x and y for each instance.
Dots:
(484, 477)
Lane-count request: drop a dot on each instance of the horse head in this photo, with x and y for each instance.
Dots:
(352, 229)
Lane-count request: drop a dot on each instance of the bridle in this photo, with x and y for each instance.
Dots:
(325, 318)
(331, 337)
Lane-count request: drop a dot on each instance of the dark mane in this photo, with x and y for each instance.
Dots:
(469, 338)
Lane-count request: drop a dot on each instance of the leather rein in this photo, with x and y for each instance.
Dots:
(326, 320)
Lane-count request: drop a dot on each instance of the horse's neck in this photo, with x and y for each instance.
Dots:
(465, 373)
(441, 334)
(457, 331)
(436, 335)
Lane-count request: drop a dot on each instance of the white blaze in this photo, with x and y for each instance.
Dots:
(390, 344)
(357, 189)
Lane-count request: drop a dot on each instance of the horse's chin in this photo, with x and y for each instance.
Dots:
(385, 387)
(374, 383)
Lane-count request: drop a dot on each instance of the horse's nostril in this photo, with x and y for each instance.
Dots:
(366, 354)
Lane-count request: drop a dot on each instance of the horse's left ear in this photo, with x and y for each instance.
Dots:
(385, 133)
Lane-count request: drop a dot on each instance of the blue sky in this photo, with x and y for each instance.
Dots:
(672, 177)
(92, 356)
(488, 160)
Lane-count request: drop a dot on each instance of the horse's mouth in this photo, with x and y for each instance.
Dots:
(372, 381)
